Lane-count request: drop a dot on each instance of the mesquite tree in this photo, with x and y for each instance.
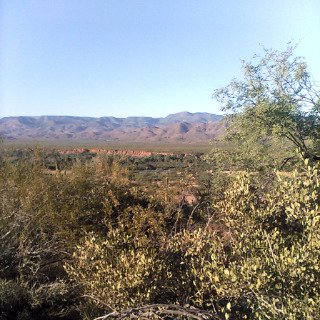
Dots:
(276, 99)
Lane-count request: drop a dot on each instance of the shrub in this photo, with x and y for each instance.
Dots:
(263, 261)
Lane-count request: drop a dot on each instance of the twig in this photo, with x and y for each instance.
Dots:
(192, 212)
(156, 310)
(99, 301)
(272, 253)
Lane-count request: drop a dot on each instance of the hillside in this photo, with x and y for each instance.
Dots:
(179, 127)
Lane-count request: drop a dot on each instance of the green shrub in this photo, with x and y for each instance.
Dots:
(256, 257)
(91, 240)
(263, 260)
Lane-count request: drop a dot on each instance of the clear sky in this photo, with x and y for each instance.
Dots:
(144, 58)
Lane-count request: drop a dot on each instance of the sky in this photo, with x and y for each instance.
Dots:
(139, 58)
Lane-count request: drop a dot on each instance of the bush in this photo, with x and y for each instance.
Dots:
(89, 240)
(263, 261)
(42, 217)
(256, 257)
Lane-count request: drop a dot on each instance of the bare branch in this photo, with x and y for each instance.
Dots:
(159, 310)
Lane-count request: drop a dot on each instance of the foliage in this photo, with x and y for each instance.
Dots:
(115, 272)
(263, 261)
(88, 241)
(43, 216)
(277, 99)
(255, 257)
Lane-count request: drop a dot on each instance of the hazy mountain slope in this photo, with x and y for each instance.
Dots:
(202, 117)
(183, 126)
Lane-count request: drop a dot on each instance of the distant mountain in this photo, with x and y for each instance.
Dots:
(178, 127)
(202, 117)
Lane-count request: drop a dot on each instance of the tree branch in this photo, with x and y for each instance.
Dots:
(159, 310)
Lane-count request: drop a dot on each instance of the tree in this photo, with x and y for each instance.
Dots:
(277, 99)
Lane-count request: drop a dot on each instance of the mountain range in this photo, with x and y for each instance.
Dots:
(178, 127)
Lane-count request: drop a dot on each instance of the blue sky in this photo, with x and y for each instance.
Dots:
(144, 58)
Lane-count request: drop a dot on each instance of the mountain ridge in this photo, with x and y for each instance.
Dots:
(177, 127)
